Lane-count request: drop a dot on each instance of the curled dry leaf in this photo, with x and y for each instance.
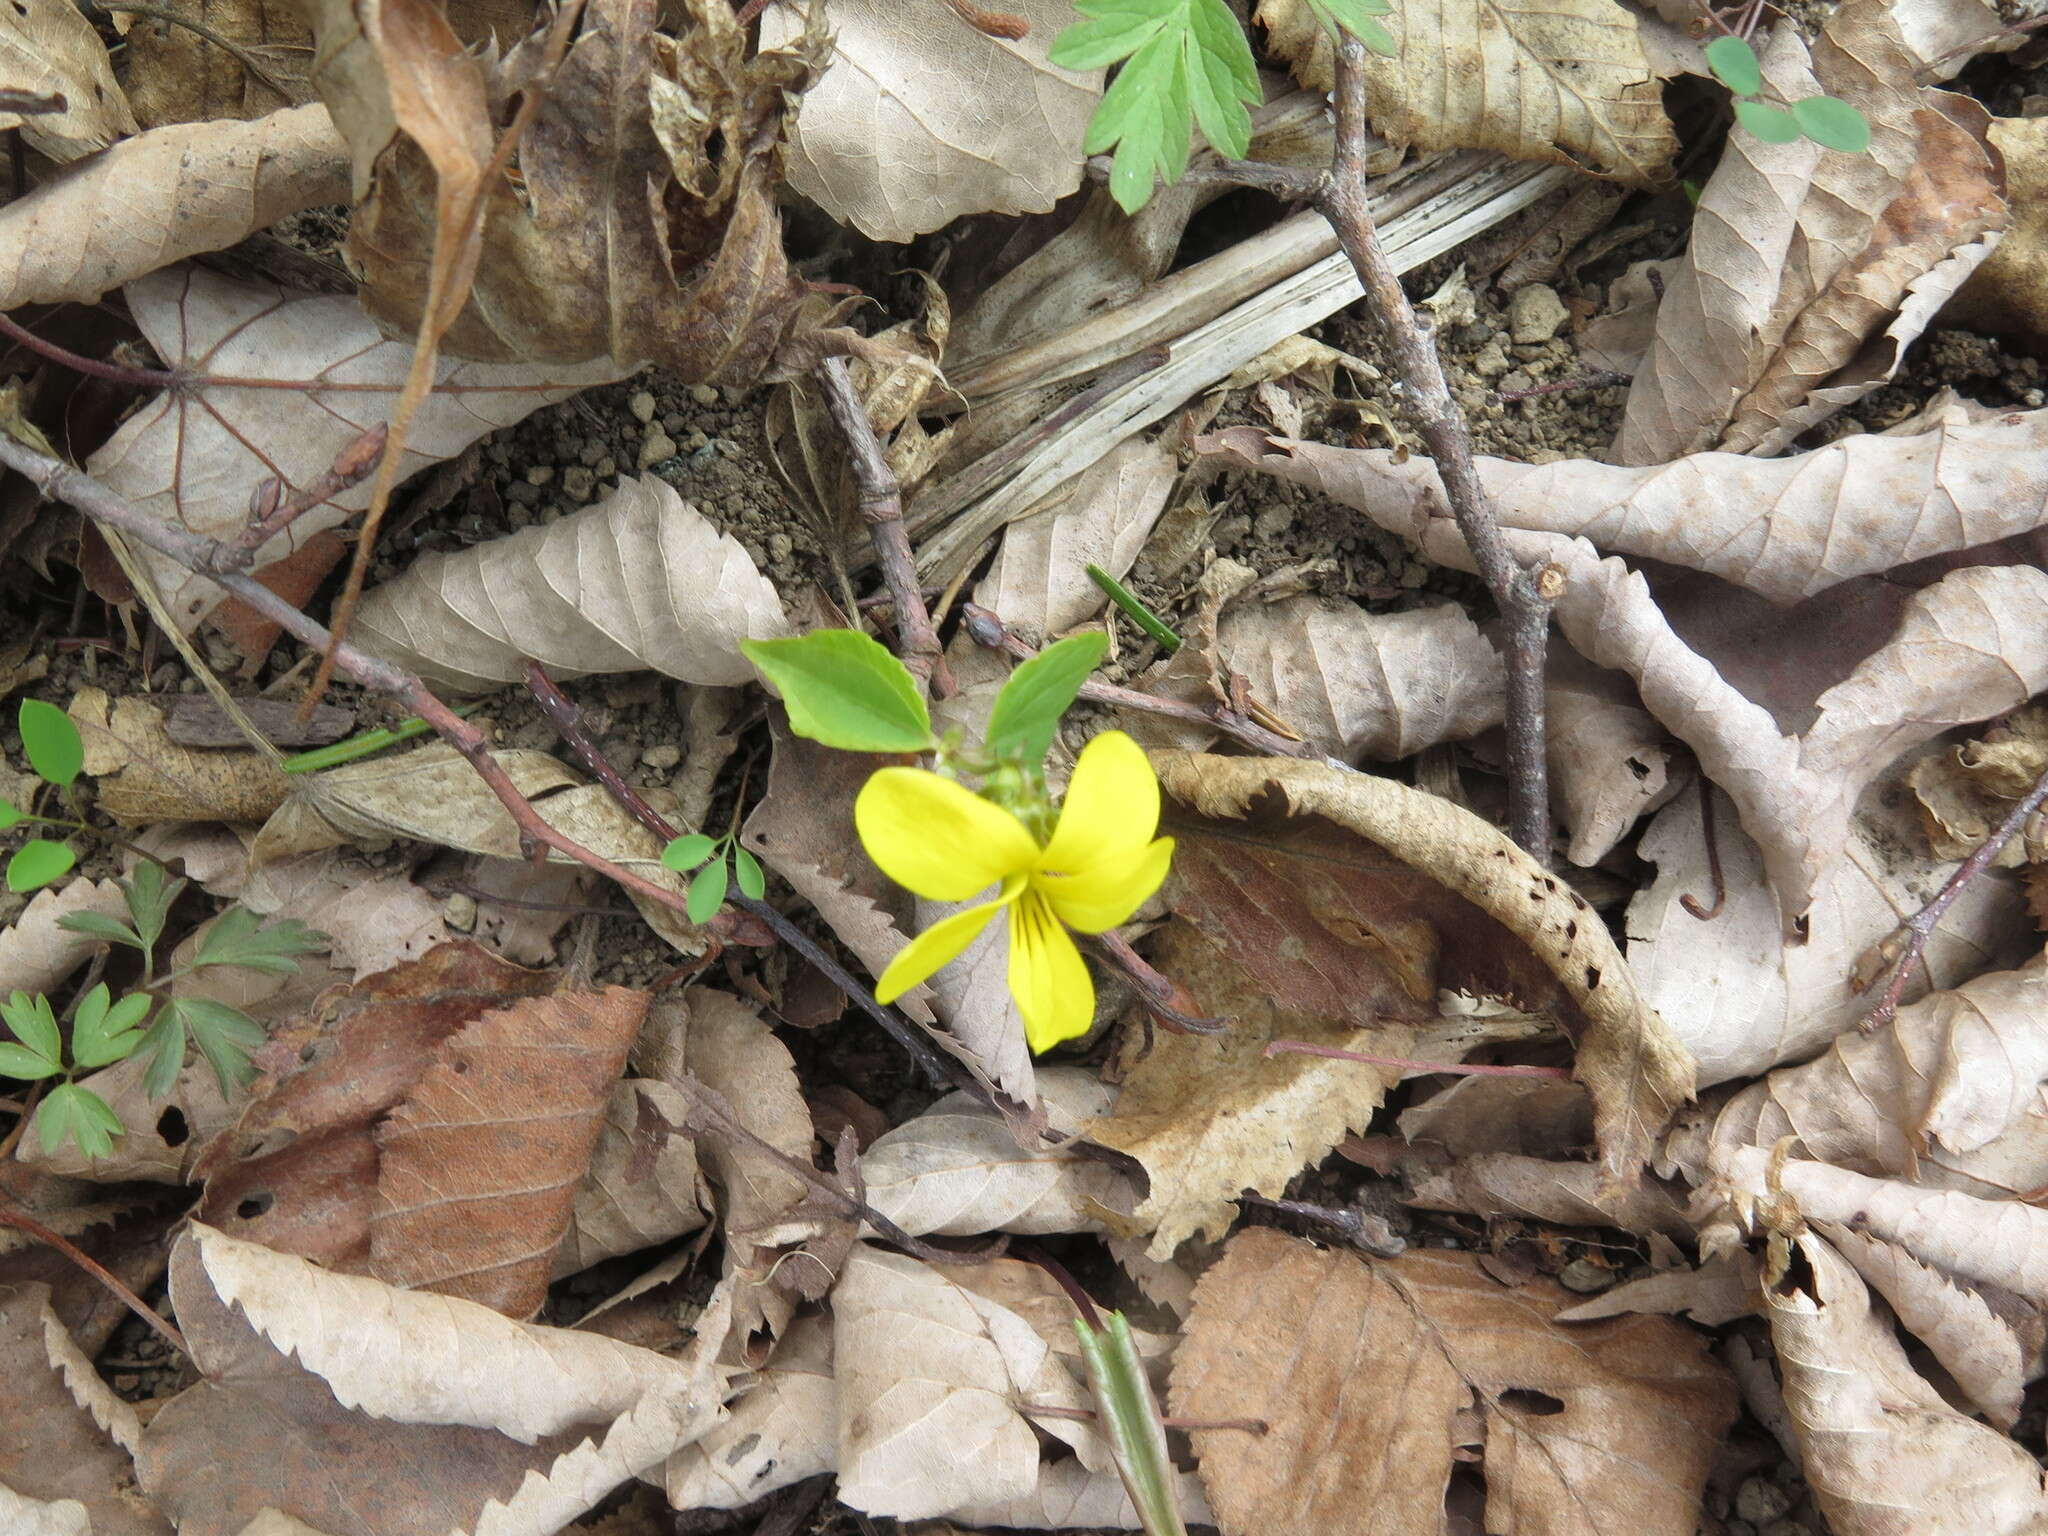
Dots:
(142, 776)
(1493, 1184)
(1809, 271)
(49, 48)
(931, 1381)
(1365, 1371)
(1039, 584)
(1627, 1057)
(1966, 792)
(1880, 1448)
(1564, 81)
(36, 954)
(373, 919)
(162, 196)
(639, 1190)
(781, 1431)
(40, 1517)
(640, 580)
(1366, 685)
(1610, 761)
(192, 456)
(2008, 294)
(888, 140)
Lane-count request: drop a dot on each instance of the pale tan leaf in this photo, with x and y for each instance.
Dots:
(49, 48)
(888, 141)
(1966, 792)
(274, 1522)
(957, 1170)
(1293, 1335)
(931, 1378)
(2008, 294)
(1070, 1497)
(142, 776)
(36, 954)
(1366, 685)
(1610, 761)
(1559, 80)
(156, 199)
(783, 1430)
(1209, 1116)
(1525, 1116)
(43, 1517)
(1628, 1058)
(641, 580)
(192, 456)
(1492, 1184)
(1039, 584)
(1718, 1291)
(1974, 1345)
(1880, 1449)
(624, 1206)
(373, 919)
(1799, 254)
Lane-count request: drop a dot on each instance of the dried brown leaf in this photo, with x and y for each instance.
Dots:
(1526, 1116)
(36, 954)
(142, 776)
(1365, 1370)
(638, 1191)
(2008, 294)
(1559, 80)
(1628, 1058)
(165, 195)
(1492, 1184)
(1610, 761)
(178, 75)
(888, 141)
(783, 1430)
(49, 48)
(373, 919)
(640, 580)
(1966, 792)
(192, 456)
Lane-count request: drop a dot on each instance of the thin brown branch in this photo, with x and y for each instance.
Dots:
(1524, 606)
(1909, 942)
(113, 373)
(881, 504)
(1706, 912)
(9, 1217)
(270, 512)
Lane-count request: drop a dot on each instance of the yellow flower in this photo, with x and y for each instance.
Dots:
(945, 843)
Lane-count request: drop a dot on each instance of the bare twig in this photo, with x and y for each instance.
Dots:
(113, 373)
(9, 1217)
(271, 512)
(1706, 912)
(881, 504)
(1909, 941)
(1524, 606)
(1358, 1227)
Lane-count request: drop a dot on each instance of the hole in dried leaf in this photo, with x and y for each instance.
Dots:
(1529, 1400)
(171, 1128)
(255, 1205)
(1592, 977)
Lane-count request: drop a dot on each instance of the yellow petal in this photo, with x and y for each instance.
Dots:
(1106, 895)
(1111, 809)
(939, 945)
(937, 838)
(1047, 976)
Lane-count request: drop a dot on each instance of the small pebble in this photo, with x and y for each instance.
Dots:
(459, 912)
(521, 494)
(780, 547)
(1759, 1501)
(1517, 380)
(1536, 314)
(578, 482)
(703, 394)
(606, 467)
(642, 407)
(127, 1381)
(656, 446)
(540, 474)
(1491, 361)
(1783, 1528)
(663, 756)
(675, 423)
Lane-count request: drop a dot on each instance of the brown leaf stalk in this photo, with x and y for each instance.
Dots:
(1524, 606)
(9, 1217)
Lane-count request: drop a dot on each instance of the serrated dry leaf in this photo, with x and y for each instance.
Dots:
(479, 1165)
(165, 195)
(142, 776)
(781, 1431)
(1366, 685)
(69, 1435)
(1209, 1116)
(1742, 994)
(1610, 761)
(1718, 1291)
(888, 141)
(192, 456)
(957, 1170)
(640, 580)
(636, 1193)
(49, 48)
(1801, 255)
(1559, 80)
(1628, 1058)
(1039, 584)
(1880, 1449)
(932, 1378)
(1363, 1371)
(36, 954)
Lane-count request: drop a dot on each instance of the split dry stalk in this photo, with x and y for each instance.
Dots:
(1519, 594)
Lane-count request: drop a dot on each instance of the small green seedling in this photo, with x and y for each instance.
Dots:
(1185, 62)
(57, 754)
(1128, 1415)
(1827, 120)
(708, 856)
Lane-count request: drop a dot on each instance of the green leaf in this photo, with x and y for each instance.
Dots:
(225, 1037)
(843, 689)
(1735, 65)
(19, 1061)
(165, 1043)
(747, 870)
(688, 851)
(1356, 17)
(1773, 125)
(1107, 37)
(1833, 124)
(37, 862)
(1377, 38)
(150, 895)
(97, 925)
(34, 1023)
(51, 741)
(707, 892)
(1128, 1415)
(103, 1034)
(81, 1114)
(1028, 710)
(239, 937)
(10, 813)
